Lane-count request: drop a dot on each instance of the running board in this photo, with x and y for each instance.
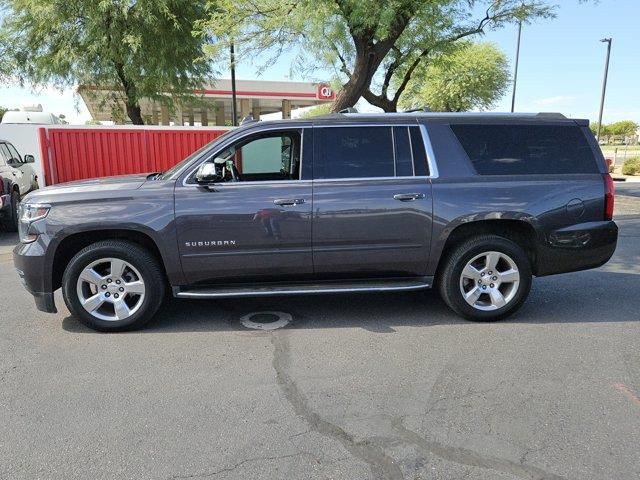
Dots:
(391, 285)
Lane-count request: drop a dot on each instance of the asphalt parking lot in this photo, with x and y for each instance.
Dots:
(354, 387)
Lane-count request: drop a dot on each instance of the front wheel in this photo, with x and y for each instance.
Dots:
(12, 221)
(113, 285)
(485, 278)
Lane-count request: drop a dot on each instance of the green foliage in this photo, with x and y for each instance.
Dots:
(134, 48)
(368, 44)
(317, 111)
(623, 128)
(472, 76)
(631, 166)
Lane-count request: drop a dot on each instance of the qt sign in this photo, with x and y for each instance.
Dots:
(325, 92)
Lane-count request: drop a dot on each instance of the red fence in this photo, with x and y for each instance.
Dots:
(77, 153)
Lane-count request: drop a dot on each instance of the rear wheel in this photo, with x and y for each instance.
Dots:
(486, 278)
(113, 285)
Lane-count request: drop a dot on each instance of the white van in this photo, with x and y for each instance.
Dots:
(38, 118)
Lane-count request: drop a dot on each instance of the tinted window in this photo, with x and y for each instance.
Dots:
(356, 152)
(526, 149)
(419, 154)
(404, 161)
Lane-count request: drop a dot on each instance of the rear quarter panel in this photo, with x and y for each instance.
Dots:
(546, 202)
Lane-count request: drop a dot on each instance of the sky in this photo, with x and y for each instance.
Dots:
(561, 66)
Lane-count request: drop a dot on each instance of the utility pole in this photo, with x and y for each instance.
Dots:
(515, 75)
(604, 83)
(234, 103)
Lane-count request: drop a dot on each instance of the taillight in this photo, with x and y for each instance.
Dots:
(609, 192)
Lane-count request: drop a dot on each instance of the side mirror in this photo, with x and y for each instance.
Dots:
(207, 173)
(29, 159)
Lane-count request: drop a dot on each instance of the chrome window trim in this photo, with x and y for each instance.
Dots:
(208, 155)
(431, 160)
(369, 179)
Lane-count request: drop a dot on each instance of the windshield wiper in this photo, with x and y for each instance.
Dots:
(154, 176)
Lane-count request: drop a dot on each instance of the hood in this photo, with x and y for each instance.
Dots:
(94, 188)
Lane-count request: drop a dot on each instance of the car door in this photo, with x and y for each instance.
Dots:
(372, 202)
(12, 162)
(27, 178)
(253, 224)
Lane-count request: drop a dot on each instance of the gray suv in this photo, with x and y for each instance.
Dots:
(473, 204)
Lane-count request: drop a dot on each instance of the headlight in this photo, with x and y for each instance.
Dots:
(29, 213)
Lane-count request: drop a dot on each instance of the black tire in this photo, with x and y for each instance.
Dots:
(147, 266)
(11, 223)
(450, 278)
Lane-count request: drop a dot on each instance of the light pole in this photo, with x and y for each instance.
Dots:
(234, 106)
(604, 83)
(515, 74)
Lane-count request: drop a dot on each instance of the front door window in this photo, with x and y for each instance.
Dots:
(266, 157)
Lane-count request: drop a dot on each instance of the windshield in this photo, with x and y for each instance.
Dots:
(177, 167)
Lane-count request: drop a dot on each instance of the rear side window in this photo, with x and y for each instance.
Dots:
(370, 152)
(526, 149)
(356, 152)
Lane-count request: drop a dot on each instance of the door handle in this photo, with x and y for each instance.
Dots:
(288, 202)
(408, 197)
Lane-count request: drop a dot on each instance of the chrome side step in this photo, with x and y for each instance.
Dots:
(304, 289)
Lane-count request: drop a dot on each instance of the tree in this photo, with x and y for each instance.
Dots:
(133, 49)
(317, 111)
(473, 76)
(624, 128)
(369, 44)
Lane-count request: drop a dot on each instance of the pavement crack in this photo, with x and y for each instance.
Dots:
(470, 458)
(233, 467)
(382, 466)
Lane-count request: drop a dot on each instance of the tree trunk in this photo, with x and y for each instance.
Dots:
(134, 113)
(131, 99)
(387, 105)
(366, 64)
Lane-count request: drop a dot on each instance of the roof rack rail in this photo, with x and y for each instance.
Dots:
(414, 110)
(551, 115)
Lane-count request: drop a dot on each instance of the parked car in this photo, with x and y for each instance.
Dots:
(22, 178)
(9, 201)
(474, 205)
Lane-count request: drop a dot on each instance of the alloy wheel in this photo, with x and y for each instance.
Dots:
(111, 289)
(489, 281)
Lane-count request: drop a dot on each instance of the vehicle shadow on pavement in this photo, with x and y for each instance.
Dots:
(585, 297)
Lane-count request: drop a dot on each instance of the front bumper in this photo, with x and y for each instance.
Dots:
(578, 247)
(30, 262)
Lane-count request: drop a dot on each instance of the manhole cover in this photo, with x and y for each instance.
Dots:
(266, 320)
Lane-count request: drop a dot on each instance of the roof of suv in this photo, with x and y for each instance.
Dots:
(373, 118)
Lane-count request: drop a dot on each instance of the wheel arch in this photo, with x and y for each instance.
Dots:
(72, 244)
(520, 231)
